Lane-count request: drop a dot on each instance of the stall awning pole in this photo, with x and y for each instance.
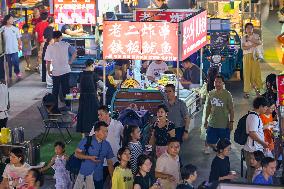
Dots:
(201, 67)
(178, 79)
(104, 80)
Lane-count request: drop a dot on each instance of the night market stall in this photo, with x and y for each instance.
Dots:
(162, 41)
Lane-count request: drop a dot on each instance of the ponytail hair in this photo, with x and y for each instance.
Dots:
(128, 130)
(221, 145)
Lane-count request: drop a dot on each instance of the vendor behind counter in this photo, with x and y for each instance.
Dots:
(73, 30)
(191, 75)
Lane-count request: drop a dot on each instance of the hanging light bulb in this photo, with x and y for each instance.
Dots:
(134, 2)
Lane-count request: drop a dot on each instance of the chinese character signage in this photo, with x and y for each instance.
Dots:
(140, 40)
(280, 88)
(159, 15)
(75, 11)
(194, 34)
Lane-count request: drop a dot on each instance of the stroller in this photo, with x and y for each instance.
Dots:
(142, 118)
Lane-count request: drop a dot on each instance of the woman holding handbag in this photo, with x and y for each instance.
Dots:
(4, 103)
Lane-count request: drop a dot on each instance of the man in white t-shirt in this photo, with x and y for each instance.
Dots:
(254, 127)
(115, 132)
(155, 69)
(57, 54)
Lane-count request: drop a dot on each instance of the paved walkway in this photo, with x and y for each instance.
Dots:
(26, 95)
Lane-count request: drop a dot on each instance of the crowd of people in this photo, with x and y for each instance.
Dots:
(111, 154)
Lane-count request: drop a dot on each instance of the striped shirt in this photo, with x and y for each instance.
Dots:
(135, 150)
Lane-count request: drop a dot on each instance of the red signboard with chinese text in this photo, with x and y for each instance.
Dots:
(140, 40)
(75, 11)
(159, 15)
(194, 34)
(280, 88)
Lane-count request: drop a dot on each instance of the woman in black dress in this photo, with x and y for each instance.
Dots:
(88, 103)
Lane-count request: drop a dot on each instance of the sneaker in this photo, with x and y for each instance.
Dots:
(19, 76)
(207, 150)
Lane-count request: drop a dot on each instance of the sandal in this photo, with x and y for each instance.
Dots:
(246, 95)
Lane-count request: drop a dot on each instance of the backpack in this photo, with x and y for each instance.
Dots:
(240, 135)
(73, 165)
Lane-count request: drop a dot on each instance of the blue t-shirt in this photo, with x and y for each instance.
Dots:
(102, 150)
(259, 179)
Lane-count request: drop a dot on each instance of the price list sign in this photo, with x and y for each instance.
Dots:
(280, 88)
(75, 12)
(140, 40)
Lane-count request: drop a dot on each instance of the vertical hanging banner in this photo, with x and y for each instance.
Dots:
(194, 34)
(75, 12)
(280, 89)
(140, 40)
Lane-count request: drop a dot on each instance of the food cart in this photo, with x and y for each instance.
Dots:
(154, 41)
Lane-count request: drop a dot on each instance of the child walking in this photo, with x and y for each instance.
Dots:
(58, 163)
(26, 46)
(131, 135)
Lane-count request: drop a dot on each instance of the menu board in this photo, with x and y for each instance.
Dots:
(75, 11)
(140, 40)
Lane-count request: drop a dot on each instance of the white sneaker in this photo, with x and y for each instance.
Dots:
(207, 150)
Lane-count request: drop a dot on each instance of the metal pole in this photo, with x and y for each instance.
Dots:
(250, 10)
(201, 67)
(104, 80)
(177, 79)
